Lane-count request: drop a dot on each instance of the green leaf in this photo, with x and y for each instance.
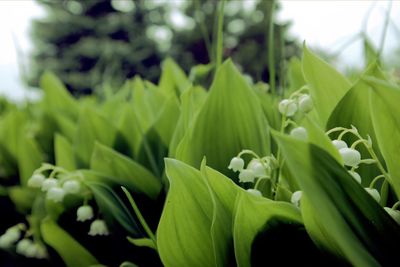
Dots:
(57, 96)
(230, 120)
(72, 253)
(30, 157)
(251, 214)
(92, 127)
(22, 197)
(167, 119)
(327, 86)
(64, 153)
(173, 80)
(339, 214)
(142, 242)
(385, 112)
(124, 171)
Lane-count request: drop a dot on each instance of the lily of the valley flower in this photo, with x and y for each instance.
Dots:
(351, 157)
(356, 176)
(255, 192)
(33, 250)
(287, 107)
(296, 197)
(305, 103)
(72, 187)
(339, 144)
(374, 193)
(49, 183)
(247, 175)
(98, 227)
(395, 214)
(56, 194)
(236, 164)
(299, 133)
(36, 180)
(257, 167)
(84, 213)
(10, 237)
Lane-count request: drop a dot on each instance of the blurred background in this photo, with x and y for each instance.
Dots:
(95, 42)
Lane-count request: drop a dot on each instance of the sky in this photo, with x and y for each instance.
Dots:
(322, 24)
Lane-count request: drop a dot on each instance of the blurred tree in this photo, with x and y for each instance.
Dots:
(89, 42)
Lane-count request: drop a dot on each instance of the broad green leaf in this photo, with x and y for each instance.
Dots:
(111, 205)
(183, 234)
(295, 75)
(251, 215)
(22, 197)
(342, 214)
(354, 109)
(173, 80)
(64, 153)
(72, 253)
(11, 126)
(30, 157)
(385, 111)
(230, 120)
(124, 171)
(142, 242)
(57, 96)
(167, 119)
(92, 127)
(327, 86)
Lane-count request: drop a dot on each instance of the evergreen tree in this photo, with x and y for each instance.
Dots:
(89, 42)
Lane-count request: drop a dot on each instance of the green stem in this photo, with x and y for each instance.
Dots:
(220, 35)
(372, 184)
(271, 59)
(204, 31)
(140, 216)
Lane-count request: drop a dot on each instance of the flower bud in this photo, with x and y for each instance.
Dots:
(72, 187)
(305, 103)
(255, 192)
(395, 214)
(23, 245)
(356, 176)
(351, 157)
(236, 164)
(56, 194)
(84, 213)
(374, 193)
(339, 144)
(49, 183)
(257, 167)
(287, 107)
(98, 227)
(5, 241)
(13, 233)
(36, 180)
(246, 175)
(299, 133)
(296, 197)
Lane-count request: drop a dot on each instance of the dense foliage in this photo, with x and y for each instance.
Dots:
(176, 175)
(89, 43)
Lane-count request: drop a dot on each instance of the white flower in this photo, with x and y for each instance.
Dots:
(72, 187)
(395, 214)
(356, 176)
(296, 197)
(299, 133)
(5, 242)
(23, 245)
(287, 107)
(236, 164)
(351, 157)
(84, 213)
(247, 176)
(49, 183)
(305, 103)
(255, 192)
(339, 144)
(98, 227)
(257, 167)
(13, 233)
(56, 194)
(374, 193)
(36, 180)
(31, 251)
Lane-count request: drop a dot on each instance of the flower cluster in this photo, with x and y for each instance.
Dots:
(18, 236)
(296, 102)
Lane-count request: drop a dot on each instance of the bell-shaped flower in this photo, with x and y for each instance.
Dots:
(72, 187)
(259, 169)
(339, 144)
(247, 175)
(395, 214)
(98, 227)
(236, 164)
(374, 193)
(356, 176)
(350, 156)
(287, 107)
(296, 197)
(49, 183)
(84, 213)
(36, 180)
(305, 103)
(299, 133)
(56, 194)
(23, 245)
